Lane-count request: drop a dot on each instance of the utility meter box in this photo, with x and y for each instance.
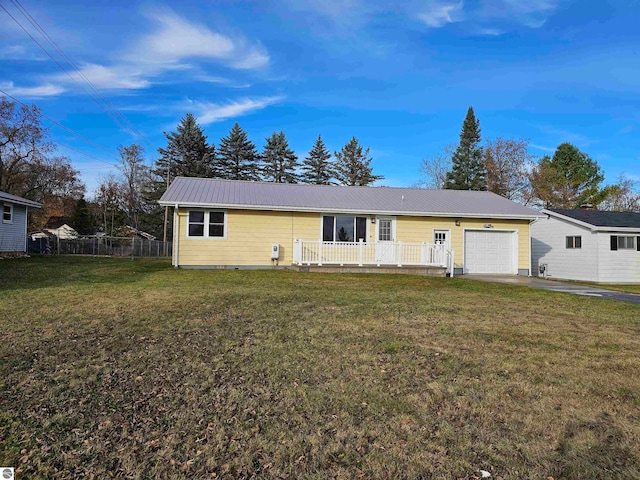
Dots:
(275, 251)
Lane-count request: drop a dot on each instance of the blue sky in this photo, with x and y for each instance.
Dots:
(398, 75)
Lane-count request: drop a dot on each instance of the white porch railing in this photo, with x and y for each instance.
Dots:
(316, 252)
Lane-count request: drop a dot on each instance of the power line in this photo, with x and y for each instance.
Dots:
(62, 126)
(84, 153)
(120, 120)
(57, 48)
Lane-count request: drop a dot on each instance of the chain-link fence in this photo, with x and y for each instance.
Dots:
(112, 246)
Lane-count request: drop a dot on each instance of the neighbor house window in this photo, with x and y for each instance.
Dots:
(343, 228)
(7, 213)
(206, 224)
(623, 242)
(574, 241)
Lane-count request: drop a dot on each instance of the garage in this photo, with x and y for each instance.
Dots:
(490, 251)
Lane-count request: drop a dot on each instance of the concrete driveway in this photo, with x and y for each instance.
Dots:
(556, 286)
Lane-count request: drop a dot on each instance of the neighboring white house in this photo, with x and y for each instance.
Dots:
(13, 224)
(587, 244)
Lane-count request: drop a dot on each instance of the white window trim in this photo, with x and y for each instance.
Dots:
(393, 228)
(10, 205)
(573, 247)
(633, 242)
(206, 224)
(367, 232)
(447, 231)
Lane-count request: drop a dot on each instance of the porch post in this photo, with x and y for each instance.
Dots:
(399, 258)
(360, 251)
(320, 252)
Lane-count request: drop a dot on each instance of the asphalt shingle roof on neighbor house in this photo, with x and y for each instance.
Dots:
(208, 192)
(7, 197)
(601, 218)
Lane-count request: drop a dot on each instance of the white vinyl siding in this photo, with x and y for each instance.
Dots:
(490, 251)
(617, 266)
(549, 246)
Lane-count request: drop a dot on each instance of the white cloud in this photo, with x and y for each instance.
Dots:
(214, 112)
(174, 44)
(45, 90)
(178, 40)
(439, 14)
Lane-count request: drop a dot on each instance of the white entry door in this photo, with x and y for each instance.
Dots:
(385, 241)
(490, 251)
(441, 239)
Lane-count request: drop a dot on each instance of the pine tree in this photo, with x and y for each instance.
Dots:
(280, 162)
(468, 170)
(352, 165)
(81, 219)
(316, 168)
(237, 156)
(187, 153)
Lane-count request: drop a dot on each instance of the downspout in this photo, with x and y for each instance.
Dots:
(531, 222)
(176, 235)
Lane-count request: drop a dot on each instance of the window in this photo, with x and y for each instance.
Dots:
(574, 241)
(385, 230)
(7, 213)
(623, 242)
(213, 221)
(343, 228)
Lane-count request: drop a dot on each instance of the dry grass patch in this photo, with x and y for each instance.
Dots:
(136, 370)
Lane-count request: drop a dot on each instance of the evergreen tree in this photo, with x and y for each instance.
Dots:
(280, 161)
(569, 179)
(237, 156)
(352, 165)
(187, 153)
(81, 219)
(316, 168)
(468, 170)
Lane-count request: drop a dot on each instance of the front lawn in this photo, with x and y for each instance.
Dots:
(131, 369)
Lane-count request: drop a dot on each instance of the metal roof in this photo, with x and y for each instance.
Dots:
(7, 197)
(215, 193)
(601, 218)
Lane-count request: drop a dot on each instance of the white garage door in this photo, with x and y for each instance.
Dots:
(487, 251)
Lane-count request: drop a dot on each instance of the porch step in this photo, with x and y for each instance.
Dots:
(408, 270)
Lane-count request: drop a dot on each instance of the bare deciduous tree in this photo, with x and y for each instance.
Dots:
(135, 177)
(508, 166)
(434, 169)
(625, 196)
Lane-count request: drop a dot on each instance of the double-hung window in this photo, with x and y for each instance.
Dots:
(624, 242)
(7, 213)
(206, 224)
(574, 241)
(344, 228)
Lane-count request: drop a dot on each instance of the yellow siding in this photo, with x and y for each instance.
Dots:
(420, 229)
(249, 237)
(250, 234)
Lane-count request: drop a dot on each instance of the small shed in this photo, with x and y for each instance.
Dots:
(13, 227)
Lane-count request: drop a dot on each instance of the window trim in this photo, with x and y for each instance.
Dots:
(335, 216)
(574, 242)
(10, 205)
(615, 245)
(207, 213)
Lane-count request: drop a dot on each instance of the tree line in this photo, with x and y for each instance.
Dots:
(568, 179)
(30, 167)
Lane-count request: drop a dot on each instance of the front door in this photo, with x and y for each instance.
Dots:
(385, 241)
(441, 240)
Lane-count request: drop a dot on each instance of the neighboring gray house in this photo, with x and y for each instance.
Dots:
(13, 226)
(588, 245)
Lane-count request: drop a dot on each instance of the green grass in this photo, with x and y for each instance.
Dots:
(114, 368)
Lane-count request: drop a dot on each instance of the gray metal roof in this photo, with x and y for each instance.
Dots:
(215, 193)
(7, 197)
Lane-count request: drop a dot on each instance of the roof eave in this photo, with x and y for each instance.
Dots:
(167, 203)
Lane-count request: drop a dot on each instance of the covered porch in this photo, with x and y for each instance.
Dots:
(367, 254)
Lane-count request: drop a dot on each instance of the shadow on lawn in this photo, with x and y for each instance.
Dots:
(58, 271)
